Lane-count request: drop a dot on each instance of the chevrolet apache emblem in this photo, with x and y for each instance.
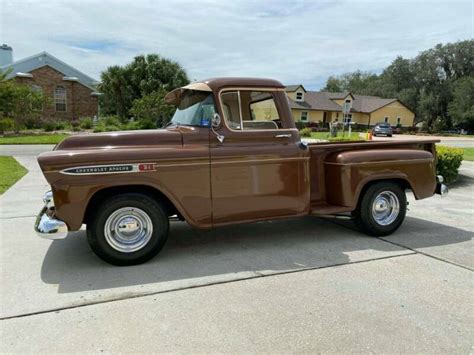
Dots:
(109, 169)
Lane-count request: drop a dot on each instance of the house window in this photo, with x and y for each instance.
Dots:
(299, 96)
(60, 98)
(37, 106)
(304, 116)
(399, 119)
(386, 118)
(348, 118)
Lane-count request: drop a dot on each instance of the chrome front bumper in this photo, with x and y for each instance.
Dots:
(46, 226)
(441, 189)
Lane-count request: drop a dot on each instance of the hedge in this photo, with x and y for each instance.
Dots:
(305, 132)
(449, 161)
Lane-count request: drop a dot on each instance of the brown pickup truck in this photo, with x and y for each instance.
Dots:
(231, 154)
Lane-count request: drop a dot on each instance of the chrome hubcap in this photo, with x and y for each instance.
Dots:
(385, 208)
(128, 229)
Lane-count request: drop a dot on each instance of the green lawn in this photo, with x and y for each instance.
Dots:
(469, 154)
(10, 171)
(325, 135)
(34, 139)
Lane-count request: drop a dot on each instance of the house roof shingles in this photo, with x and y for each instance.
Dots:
(324, 101)
(39, 60)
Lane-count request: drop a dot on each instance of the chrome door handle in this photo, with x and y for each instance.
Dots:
(283, 136)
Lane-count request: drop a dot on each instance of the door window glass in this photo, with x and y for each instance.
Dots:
(244, 110)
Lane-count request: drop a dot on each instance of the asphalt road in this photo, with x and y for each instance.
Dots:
(448, 141)
(305, 285)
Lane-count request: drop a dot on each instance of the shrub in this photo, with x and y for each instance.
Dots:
(99, 128)
(300, 125)
(449, 161)
(6, 124)
(49, 126)
(59, 125)
(111, 128)
(305, 132)
(75, 125)
(85, 123)
(111, 121)
(32, 123)
(131, 125)
(147, 124)
(102, 126)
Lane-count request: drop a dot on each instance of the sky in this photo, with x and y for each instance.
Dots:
(296, 42)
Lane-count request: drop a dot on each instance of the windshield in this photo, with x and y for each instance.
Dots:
(195, 108)
(383, 125)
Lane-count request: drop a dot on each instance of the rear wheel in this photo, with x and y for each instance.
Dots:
(128, 229)
(381, 210)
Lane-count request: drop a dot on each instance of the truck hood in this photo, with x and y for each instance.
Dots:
(125, 139)
(112, 147)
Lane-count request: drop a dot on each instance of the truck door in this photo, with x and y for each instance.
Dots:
(259, 170)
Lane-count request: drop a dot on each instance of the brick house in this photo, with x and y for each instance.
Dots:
(71, 93)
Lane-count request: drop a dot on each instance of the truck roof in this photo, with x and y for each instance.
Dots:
(217, 83)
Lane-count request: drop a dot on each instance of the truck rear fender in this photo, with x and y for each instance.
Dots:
(348, 173)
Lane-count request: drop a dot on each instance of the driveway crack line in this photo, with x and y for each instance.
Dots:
(257, 275)
(428, 255)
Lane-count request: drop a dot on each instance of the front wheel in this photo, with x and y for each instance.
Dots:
(381, 210)
(128, 229)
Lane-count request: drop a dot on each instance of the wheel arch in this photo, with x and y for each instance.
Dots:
(401, 181)
(106, 192)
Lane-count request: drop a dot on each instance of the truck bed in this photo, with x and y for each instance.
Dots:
(336, 190)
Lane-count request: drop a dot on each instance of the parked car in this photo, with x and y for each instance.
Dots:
(231, 154)
(382, 129)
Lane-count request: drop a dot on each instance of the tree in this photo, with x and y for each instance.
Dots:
(461, 109)
(358, 82)
(18, 101)
(144, 75)
(427, 84)
(152, 108)
(115, 86)
(333, 84)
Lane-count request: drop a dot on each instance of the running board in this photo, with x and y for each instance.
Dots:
(334, 216)
(323, 209)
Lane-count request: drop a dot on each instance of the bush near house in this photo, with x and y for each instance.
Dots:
(85, 123)
(449, 161)
(305, 132)
(6, 124)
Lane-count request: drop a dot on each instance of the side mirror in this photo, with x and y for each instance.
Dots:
(216, 121)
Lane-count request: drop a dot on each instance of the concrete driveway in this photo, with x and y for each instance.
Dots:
(306, 284)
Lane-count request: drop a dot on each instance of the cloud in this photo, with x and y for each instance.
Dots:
(293, 41)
